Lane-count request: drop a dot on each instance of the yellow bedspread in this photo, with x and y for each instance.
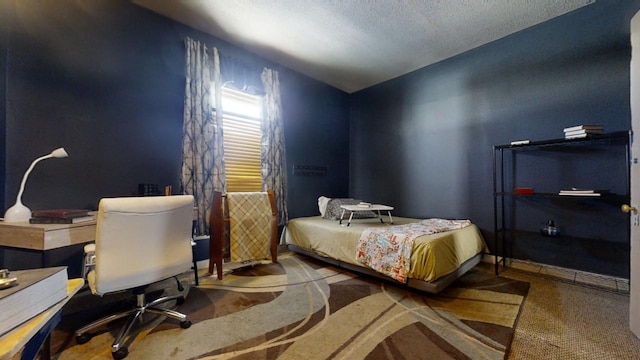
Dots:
(433, 256)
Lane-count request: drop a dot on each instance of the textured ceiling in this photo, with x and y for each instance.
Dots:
(354, 44)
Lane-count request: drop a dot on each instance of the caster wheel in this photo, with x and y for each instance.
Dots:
(120, 354)
(185, 324)
(180, 300)
(83, 339)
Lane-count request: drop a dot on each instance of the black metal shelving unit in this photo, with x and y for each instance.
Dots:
(500, 194)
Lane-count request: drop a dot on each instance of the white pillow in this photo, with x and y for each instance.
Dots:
(322, 204)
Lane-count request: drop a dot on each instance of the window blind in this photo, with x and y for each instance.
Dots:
(241, 127)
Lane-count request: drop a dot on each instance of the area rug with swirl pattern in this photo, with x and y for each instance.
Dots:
(300, 308)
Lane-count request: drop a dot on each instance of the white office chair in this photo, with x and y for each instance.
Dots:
(139, 241)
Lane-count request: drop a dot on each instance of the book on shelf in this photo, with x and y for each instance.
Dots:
(53, 220)
(582, 132)
(520, 142)
(579, 136)
(583, 192)
(575, 189)
(584, 127)
(569, 193)
(59, 213)
(33, 292)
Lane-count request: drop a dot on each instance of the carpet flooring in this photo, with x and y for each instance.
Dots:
(304, 309)
(565, 320)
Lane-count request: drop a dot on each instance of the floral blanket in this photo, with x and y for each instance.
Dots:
(388, 250)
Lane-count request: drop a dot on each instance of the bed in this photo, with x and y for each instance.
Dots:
(436, 260)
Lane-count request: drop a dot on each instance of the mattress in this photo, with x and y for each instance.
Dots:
(433, 256)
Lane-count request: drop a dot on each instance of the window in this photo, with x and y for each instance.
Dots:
(241, 126)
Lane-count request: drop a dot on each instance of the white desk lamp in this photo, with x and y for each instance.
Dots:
(19, 212)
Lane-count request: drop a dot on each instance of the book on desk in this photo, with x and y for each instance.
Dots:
(60, 216)
(34, 291)
(74, 220)
(59, 213)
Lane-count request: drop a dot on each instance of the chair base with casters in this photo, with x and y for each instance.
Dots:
(118, 351)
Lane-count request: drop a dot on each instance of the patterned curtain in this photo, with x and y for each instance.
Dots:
(274, 167)
(202, 146)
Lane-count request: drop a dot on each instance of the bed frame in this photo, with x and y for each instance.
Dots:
(433, 287)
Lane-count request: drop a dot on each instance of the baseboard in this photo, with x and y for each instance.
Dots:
(574, 276)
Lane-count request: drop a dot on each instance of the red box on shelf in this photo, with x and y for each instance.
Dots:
(523, 191)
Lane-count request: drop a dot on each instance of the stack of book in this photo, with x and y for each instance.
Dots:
(60, 216)
(30, 293)
(582, 131)
(582, 192)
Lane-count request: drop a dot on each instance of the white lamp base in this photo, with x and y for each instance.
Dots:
(17, 213)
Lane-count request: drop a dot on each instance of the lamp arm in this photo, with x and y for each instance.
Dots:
(26, 175)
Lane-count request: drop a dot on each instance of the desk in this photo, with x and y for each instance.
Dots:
(44, 239)
(372, 207)
(36, 332)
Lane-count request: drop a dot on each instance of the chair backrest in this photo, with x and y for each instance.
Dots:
(141, 240)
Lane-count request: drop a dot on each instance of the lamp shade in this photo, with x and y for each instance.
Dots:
(18, 212)
(59, 153)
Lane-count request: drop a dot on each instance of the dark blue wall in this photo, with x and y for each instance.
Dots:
(423, 142)
(105, 79)
(316, 135)
(4, 36)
